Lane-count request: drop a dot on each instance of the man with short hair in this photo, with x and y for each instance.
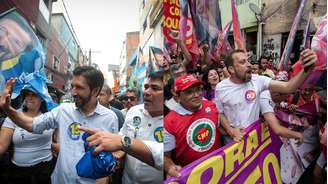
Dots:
(104, 99)
(255, 68)
(237, 97)
(130, 99)
(263, 64)
(144, 122)
(67, 117)
(191, 129)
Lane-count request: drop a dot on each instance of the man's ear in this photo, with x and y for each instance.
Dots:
(96, 91)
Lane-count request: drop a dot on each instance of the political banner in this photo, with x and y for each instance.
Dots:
(21, 56)
(207, 18)
(255, 159)
(171, 15)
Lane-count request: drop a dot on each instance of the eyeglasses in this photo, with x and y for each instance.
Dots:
(126, 98)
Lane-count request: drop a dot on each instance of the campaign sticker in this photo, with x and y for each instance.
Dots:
(158, 134)
(250, 95)
(73, 131)
(136, 121)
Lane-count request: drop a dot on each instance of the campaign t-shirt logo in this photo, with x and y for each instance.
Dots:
(201, 135)
(250, 95)
(73, 131)
(136, 121)
(158, 134)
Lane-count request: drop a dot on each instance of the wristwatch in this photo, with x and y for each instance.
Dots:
(126, 143)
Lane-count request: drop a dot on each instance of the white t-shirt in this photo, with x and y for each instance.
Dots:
(266, 102)
(29, 149)
(241, 102)
(140, 125)
(156, 150)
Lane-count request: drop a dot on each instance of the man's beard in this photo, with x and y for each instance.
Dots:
(244, 77)
(81, 101)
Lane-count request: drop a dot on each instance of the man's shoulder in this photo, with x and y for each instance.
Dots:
(102, 110)
(225, 85)
(67, 106)
(115, 110)
(208, 103)
(135, 110)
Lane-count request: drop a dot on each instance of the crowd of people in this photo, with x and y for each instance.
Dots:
(191, 107)
(187, 112)
(210, 105)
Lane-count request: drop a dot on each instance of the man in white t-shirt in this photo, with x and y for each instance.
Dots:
(237, 97)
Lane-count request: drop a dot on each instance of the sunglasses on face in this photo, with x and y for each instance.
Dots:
(126, 98)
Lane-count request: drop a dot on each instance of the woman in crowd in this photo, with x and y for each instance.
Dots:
(32, 160)
(211, 79)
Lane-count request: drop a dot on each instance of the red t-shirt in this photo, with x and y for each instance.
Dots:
(196, 135)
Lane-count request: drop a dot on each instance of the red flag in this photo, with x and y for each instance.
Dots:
(187, 31)
(171, 14)
(187, 28)
(237, 36)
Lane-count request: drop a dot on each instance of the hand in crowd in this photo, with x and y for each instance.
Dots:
(118, 154)
(55, 149)
(237, 134)
(175, 36)
(308, 58)
(103, 140)
(292, 107)
(300, 139)
(203, 49)
(6, 96)
(174, 171)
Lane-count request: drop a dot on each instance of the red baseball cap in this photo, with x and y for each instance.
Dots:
(185, 81)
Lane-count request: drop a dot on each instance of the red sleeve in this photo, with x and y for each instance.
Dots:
(168, 124)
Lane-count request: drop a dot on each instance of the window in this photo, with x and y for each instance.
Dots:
(56, 63)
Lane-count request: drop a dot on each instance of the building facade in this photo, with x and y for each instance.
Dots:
(128, 53)
(151, 24)
(277, 17)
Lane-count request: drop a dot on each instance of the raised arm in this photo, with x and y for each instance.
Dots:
(186, 53)
(282, 131)
(308, 59)
(18, 118)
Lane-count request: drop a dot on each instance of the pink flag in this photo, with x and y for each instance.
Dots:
(222, 45)
(237, 36)
(319, 45)
(283, 64)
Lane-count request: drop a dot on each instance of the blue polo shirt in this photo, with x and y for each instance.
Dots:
(66, 118)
